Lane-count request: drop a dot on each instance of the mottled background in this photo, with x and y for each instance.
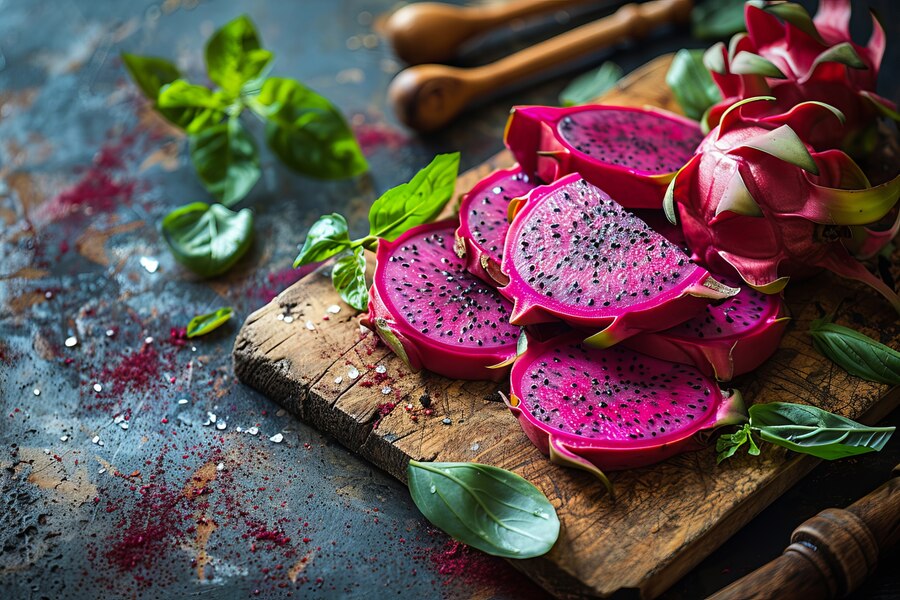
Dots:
(111, 487)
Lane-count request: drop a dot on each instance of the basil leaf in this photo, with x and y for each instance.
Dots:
(150, 73)
(328, 236)
(203, 324)
(208, 239)
(191, 107)
(225, 158)
(691, 83)
(348, 276)
(417, 202)
(856, 353)
(234, 55)
(485, 507)
(728, 443)
(589, 86)
(811, 430)
(307, 131)
(717, 19)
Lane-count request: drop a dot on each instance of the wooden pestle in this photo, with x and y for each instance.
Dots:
(432, 32)
(831, 554)
(427, 97)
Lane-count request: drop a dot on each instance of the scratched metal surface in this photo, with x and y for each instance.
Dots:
(111, 487)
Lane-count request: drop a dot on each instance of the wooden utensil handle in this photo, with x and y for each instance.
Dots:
(831, 554)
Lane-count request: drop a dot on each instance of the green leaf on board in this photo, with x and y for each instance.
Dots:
(691, 83)
(856, 353)
(349, 278)
(328, 236)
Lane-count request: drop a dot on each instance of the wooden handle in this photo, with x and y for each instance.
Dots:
(831, 554)
(431, 32)
(427, 97)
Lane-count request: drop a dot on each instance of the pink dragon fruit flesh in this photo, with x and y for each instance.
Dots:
(727, 339)
(615, 408)
(757, 201)
(575, 255)
(631, 153)
(483, 221)
(433, 313)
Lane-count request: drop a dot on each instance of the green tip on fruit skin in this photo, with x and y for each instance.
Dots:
(747, 63)
(562, 455)
(784, 144)
(737, 198)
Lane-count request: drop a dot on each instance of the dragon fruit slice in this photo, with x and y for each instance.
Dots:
(433, 313)
(631, 153)
(802, 59)
(726, 340)
(574, 254)
(614, 408)
(483, 223)
(757, 201)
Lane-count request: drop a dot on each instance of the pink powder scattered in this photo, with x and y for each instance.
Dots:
(376, 135)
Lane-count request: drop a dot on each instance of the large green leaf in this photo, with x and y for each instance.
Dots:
(307, 131)
(191, 107)
(348, 276)
(208, 239)
(226, 160)
(485, 507)
(811, 430)
(691, 83)
(419, 201)
(150, 73)
(328, 236)
(856, 353)
(234, 55)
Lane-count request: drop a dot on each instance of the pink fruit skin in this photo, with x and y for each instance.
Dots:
(569, 449)
(660, 311)
(474, 240)
(533, 134)
(447, 359)
(722, 356)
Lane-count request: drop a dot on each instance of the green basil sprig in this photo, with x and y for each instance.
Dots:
(589, 86)
(691, 83)
(718, 19)
(485, 507)
(804, 429)
(305, 130)
(410, 204)
(208, 239)
(203, 324)
(856, 353)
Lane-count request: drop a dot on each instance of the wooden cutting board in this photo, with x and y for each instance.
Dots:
(666, 518)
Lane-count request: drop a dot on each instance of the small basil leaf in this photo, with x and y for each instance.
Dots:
(307, 132)
(191, 107)
(203, 324)
(208, 239)
(234, 55)
(856, 353)
(226, 160)
(811, 430)
(349, 278)
(728, 443)
(717, 19)
(328, 236)
(589, 86)
(691, 83)
(417, 202)
(150, 73)
(485, 507)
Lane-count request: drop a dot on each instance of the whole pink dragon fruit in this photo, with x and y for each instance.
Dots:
(614, 408)
(483, 221)
(433, 313)
(758, 201)
(631, 153)
(726, 340)
(804, 59)
(574, 254)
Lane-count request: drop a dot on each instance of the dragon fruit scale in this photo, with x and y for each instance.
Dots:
(615, 408)
(433, 313)
(757, 201)
(799, 58)
(631, 153)
(573, 254)
(726, 340)
(483, 221)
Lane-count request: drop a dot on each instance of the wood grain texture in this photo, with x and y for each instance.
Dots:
(666, 518)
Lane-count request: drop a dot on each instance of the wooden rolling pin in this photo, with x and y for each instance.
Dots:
(427, 97)
(831, 554)
(432, 32)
